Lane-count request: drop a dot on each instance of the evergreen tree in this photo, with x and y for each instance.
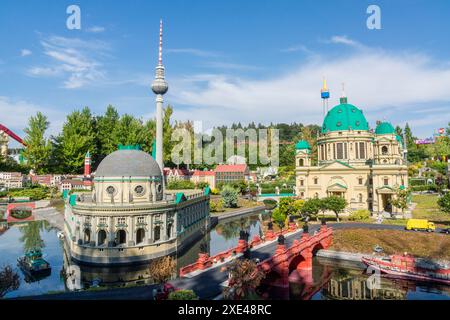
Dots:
(38, 148)
(409, 138)
(399, 131)
(77, 138)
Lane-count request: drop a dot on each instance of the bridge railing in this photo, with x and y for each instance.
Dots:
(205, 261)
(296, 248)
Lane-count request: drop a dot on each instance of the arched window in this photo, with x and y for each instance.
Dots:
(87, 235)
(360, 197)
(121, 237)
(140, 235)
(157, 233)
(101, 237)
(301, 162)
(384, 150)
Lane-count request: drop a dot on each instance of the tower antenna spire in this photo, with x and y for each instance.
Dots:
(160, 42)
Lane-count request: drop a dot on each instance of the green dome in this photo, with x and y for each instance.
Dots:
(343, 117)
(302, 144)
(384, 128)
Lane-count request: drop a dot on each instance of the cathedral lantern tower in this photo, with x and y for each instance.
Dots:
(302, 154)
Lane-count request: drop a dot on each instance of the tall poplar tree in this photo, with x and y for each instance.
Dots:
(38, 148)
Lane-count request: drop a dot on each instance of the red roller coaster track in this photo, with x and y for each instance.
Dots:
(11, 134)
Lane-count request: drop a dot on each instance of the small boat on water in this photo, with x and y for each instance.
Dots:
(33, 265)
(408, 267)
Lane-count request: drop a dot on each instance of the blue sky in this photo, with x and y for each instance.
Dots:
(227, 61)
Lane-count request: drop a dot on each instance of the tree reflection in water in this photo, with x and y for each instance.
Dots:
(31, 234)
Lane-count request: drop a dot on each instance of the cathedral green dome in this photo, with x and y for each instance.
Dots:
(302, 145)
(343, 117)
(384, 128)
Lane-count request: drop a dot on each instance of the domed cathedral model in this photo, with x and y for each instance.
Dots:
(364, 167)
(129, 217)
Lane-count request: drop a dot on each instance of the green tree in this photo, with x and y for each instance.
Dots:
(279, 217)
(444, 202)
(107, 132)
(167, 135)
(130, 130)
(401, 199)
(335, 204)
(229, 196)
(76, 139)
(311, 208)
(38, 148)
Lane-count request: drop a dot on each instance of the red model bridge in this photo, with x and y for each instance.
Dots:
(298, 257)
(11, 134)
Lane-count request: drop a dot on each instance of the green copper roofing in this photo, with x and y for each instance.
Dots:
(384, 128)
(302, 144)
(154, 149)
(179, 197)
(129, 147)
(88, 155)
(343, 117)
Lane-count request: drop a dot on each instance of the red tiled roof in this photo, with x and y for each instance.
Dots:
(201, 173)
(181, 172)
(231, 168)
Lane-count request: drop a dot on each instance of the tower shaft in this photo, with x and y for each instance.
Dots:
(159, 131)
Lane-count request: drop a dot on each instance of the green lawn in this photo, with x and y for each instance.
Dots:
(427, 208)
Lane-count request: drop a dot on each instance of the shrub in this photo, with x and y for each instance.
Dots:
(202, 185)
(215, 191)
(34, 193)
(359, 215)
(444, 202)
(229, 196)
(180, 184)
(182, 295)
(20, 213)
(216, 206)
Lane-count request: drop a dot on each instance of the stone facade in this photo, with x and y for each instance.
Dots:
(365, 167)
(130, 219)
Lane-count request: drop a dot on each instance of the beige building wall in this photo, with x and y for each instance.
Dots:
(366, 169)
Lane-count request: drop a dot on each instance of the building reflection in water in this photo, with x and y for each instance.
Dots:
(79, 276)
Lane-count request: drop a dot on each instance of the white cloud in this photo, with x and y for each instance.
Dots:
(375, 81)
(25, 52)
(346, 41)
(195, 52)
(73, 59)
(16, 112)
(96, 29)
